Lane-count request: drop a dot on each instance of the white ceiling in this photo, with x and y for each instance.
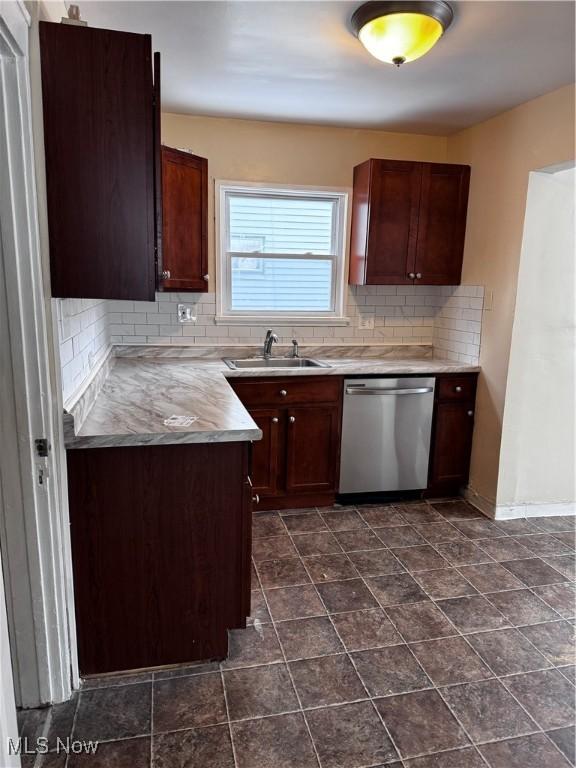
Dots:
(297, 61)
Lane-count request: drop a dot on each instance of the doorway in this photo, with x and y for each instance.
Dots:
(33, 529)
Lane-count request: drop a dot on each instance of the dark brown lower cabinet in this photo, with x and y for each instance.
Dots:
(297, 462)
(312, 448)
(266, 452)
(452, 433)
(161, 552)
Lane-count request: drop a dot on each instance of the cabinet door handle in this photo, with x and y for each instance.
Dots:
(418, 275)
(165, 274)
(283, 393)
(206, 278)
(411, 275)
(274, 419)
(256, 499)
(470, 413)
(292, 419)
(457, 389)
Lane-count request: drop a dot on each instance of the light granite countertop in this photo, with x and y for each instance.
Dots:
(164, 395)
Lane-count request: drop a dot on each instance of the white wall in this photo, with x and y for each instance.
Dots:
(537, 459)
(502, 152)
(8, 725)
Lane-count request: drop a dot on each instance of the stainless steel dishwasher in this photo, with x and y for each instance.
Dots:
(386, 425)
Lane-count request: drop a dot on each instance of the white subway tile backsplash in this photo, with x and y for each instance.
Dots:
(147, 329)
(145, 306)
(84, 336)
(448, 317)
(121, 329)
(66, 352)
(118, 306)
(193, 330)
(170, 330)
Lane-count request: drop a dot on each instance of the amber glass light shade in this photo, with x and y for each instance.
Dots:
(397, 32)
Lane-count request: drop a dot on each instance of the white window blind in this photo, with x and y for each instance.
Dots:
(281, 252)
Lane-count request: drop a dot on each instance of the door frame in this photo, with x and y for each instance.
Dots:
(34, 535)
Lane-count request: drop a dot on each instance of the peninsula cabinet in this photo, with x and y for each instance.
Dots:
(408, 223)
(452, 428)
(100, 142)
(161, 545)
(185, 221)
(296, 464)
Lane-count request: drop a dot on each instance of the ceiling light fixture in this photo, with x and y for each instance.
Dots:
(397, 32)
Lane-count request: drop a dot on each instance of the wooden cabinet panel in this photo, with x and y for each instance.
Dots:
(157, 114)
(288, 391)
(452, 433)
(98, 136)
(392, 213)
(160, 550)
(442, 223)
(296, 464)
(452, 444)
(408, 223)
(312, 448)
(185, 221)
(462, 388)
(265, 452)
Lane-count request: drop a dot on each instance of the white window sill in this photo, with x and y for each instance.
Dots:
(280, 320)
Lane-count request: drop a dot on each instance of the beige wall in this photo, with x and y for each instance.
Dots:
(286, 153)
(502, 152)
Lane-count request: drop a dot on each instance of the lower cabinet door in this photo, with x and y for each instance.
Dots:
(265, 452)
(312, 448)
(452, 444)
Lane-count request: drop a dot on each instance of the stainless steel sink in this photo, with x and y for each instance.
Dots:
(274, 362)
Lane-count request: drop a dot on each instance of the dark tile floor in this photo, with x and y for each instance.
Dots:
(414, 635)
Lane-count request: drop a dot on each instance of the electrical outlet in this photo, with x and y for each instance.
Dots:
(366, 322)
(186, 314)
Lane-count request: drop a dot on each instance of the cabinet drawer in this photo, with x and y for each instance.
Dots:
(457, 388)
(287, 391)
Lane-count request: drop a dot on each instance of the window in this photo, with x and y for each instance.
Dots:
(281, 253)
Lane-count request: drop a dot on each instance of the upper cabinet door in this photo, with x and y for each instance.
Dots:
(185, 221)
(442, 223)
(384, 222)
(98, 135)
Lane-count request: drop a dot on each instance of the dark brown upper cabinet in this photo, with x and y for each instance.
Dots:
(99, 137)
(408, 223)
(185, 221)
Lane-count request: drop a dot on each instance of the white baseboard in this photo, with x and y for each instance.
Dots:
(511, 511)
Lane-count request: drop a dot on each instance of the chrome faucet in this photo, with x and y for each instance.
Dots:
(295, 352)
(268, 341)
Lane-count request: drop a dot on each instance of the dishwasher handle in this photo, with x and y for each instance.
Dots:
(362, 390)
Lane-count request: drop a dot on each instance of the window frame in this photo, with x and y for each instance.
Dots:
(224, 313)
